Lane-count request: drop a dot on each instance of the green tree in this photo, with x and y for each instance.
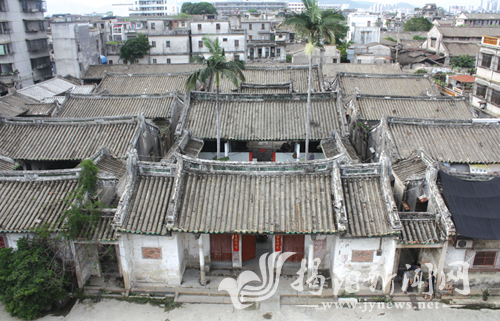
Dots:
(252, 10)
(320, 27)
(198, 8)
(84, 210)
(463, 61)
(134, 49)
(31, 278)
(418, 24)
(216, 66)
(417, 37)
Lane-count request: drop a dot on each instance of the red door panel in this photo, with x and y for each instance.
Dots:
(248, 247)
(220, 247)
(294, 243)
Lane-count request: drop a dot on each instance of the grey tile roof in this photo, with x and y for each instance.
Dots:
(458, 49)
(475, 32)
(140, 84)
(389, 85)
(376, 107)
(6, 164)
(42, 109)
(148, 205)
(98, 71)
(262, 117)
(446, 140)
(27, 204)
(330, 70)
(66, 139)
(366, 211)
(101, 230)
(111, 164)
(297, 75)
(420, 228)
(48, 88)
(482, 16)
(187, 145)
(412, 168)
(13, 105)
(153, 106)
(267, 201)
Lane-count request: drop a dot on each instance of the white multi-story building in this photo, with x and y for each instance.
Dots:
(169, 40)
(24, 51)
(297, 7)
(486, 94)
(363, 28)
(233, 41)
(154, 8)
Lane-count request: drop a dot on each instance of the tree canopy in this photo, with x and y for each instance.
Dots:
(31, 278)
(198, 8)
(463, 61)
(134, 49)
(418, 24)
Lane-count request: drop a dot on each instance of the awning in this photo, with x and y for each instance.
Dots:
(474, 206)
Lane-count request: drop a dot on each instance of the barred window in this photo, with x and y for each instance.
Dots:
(486, 258)
(495, 97)
(486, 61)
(481, 91)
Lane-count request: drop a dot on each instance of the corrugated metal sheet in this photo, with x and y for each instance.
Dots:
(374, 108)
(418, 230)
(459, 48)
(389, 85)
(100, 106)
(48, 88)
(451, 142)
(330, 70)
(65, 140)
(268, 203)
(83, 90)
(275, 75)
(267, 118)
(366, 212)
(27, 205)
(148, 206)
(98, 71)
(139, 84)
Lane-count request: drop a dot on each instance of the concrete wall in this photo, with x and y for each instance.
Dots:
(229, 45)
(381, 266)
(12, 238)
(178, 45)
(257, 32)
(210, 27)
(192, 250)
(140, 271)
(75, 48)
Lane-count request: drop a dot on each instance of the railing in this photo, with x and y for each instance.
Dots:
(494, 41)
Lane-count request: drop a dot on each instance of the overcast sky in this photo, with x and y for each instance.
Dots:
(62, 6)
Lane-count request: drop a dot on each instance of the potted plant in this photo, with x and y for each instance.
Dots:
(486, 294)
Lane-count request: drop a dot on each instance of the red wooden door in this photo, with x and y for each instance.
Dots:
(248, 247)
(294, 243)
(2, 242)
(220, 247)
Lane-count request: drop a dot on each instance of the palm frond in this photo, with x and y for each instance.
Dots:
(192, 79)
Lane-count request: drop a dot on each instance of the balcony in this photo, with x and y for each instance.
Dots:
(37, 45)
(33, 6)
(34, 26)
(491, 41)
(40, 63)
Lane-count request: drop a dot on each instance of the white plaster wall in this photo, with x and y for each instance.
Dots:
(192, 250)
(342, 264)
(12, 238)
(178, 45)
(151, 272)
(178, 59)
(209, 27)
(229, 45)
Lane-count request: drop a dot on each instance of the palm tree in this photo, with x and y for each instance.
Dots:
(319, 26)
(216, 66)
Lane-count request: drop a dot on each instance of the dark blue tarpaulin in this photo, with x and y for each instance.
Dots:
(474, 206)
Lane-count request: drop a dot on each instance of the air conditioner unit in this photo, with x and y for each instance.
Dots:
(464, 244)
(482, 105)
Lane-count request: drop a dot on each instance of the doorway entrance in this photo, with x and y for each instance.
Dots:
(294, 243)
(220, 248)
(253, 247)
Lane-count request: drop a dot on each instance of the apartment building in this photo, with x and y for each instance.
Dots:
(154, 8)
(363, 28)
(232, 40)
(169, 40)
(486, 93)
(24, 51)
